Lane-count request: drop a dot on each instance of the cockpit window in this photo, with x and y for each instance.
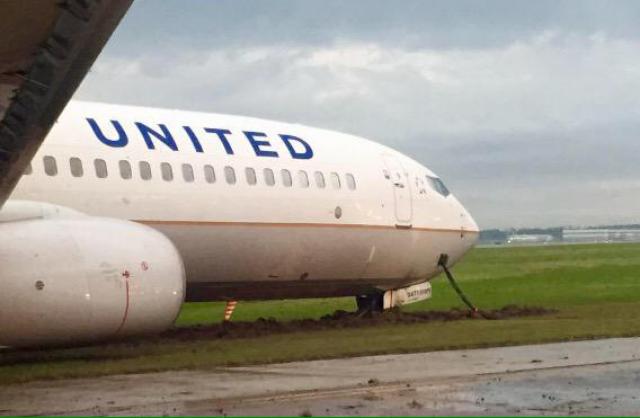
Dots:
(437, 185)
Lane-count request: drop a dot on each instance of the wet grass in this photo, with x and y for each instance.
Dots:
(595, 290)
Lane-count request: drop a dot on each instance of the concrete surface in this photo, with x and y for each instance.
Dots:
(590, 377)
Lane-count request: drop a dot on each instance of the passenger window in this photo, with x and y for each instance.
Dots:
(145, 170)
(335, 180)
(286, 178)
(250, 173)
(209, 174)
(28, 170)
(101, 168)
(50, 166)
(269, 177)
(75, 164)
(230, 175)
(351, 181)
(187, 173)
(319, 179)
(303, 178)
(125, 169)
(167, 171)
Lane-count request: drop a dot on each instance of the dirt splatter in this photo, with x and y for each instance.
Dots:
(415, 404)
(343, 319)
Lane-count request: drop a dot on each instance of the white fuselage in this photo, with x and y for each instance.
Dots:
(383, 226)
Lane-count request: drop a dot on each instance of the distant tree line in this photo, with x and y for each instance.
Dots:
(493, 235)
(501, 235)
(627, 226)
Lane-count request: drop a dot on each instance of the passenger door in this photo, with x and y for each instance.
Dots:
(399, 180)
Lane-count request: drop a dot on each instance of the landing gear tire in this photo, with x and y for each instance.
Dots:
(373, 303)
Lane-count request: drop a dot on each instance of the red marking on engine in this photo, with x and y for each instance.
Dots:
(126, 276)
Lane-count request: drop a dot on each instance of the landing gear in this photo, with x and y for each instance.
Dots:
(370, 303)
(442, 262)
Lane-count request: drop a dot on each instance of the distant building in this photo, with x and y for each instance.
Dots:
(601, 235)
(529, 239)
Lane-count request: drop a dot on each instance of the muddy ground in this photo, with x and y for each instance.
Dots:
(343, 319)
(269, 326)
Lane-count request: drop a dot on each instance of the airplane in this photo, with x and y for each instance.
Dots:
(112, 216)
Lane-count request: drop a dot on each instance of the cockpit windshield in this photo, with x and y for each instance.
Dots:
(437, 185)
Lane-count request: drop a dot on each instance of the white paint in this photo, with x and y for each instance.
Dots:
(407, 295)
(80, 264)
(233, 237)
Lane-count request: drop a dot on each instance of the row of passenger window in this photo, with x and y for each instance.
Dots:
(209, 174)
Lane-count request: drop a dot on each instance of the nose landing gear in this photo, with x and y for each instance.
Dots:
(442, 262)
(372, 303)
(375, 302)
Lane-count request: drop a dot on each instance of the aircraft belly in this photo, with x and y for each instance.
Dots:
(289, 260)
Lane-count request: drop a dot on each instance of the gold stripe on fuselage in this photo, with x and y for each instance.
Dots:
(303, 225)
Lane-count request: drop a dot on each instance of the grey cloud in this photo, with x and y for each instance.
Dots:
(534, 159)
(579, 177)
(529, 110)
(203, 24)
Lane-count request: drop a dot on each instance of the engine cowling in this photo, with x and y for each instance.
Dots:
(67, 281)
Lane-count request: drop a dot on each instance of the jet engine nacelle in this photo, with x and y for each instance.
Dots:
(65, 281)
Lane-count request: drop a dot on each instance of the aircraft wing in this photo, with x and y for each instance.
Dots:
(46, 48)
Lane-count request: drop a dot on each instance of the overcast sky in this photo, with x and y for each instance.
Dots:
(529, 110)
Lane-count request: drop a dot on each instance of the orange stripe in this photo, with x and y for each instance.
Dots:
(228, 310)
(298, 225)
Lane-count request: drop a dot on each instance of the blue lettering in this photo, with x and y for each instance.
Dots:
(164, 137)
(193, 138)
(222, 135)
(256, 144)
(122, 140)
(308, 152)
(298, 148)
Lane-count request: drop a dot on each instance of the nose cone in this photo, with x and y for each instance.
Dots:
(467, 232)
(466, 220)
(467, 224)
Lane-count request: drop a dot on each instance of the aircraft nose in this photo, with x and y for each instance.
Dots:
(468, 224)
(468, 233)
(466, 220)
(471, 223)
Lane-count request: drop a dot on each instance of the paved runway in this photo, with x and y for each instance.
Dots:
(588, 378)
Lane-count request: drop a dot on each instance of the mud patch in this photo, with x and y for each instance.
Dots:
(343, 319)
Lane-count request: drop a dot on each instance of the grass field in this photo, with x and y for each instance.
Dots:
(594, 288)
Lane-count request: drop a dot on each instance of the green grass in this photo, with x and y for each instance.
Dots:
(595, 288)
(550, 276)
